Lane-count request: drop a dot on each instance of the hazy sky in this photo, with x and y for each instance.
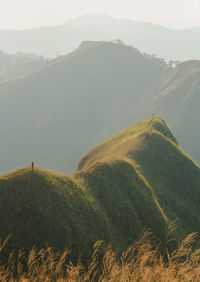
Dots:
(35, 13)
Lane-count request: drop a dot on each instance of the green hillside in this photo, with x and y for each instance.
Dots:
(45, 208)
(138, 179)
(153, 153)
(88, 95)
(178, 102)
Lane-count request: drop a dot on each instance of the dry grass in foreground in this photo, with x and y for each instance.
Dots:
(141, 262)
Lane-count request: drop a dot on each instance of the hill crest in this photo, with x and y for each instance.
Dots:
(137, 179)
(128, 140)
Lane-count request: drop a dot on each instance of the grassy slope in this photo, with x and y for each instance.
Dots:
(178, 102)
(125, 199)
(49, 208)
(158, 161)
(43, 207)
(139, 178)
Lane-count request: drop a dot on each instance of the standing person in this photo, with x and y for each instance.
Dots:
(32, 166)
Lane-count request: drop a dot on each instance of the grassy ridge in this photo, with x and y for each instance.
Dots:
(43, 207)
(121, 144)
(125, 199)
(174, 177)
(137, 179)
(178, 103)
(153, 152)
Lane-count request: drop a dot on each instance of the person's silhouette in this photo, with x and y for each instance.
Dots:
(32, 165)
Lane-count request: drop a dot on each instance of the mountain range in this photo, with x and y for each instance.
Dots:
(89, 95)
(149, 38)
(56, 114)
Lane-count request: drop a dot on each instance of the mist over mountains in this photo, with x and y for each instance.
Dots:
(95, 111)
(19, 64)
(89, 95)
(74, 102)
(149, 38)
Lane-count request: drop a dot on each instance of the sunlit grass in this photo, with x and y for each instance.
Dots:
(120, 145)
(142, 261)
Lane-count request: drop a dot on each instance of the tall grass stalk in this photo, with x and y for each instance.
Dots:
(142, 261)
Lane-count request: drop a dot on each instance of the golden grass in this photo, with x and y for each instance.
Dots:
(142, 261)
(129, 140)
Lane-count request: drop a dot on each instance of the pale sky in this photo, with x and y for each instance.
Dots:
(35, 13)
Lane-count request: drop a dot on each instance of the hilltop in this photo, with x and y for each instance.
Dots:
(150, 151)
(178, 102)
(88, 95)
(44, 208)
(137, 179)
